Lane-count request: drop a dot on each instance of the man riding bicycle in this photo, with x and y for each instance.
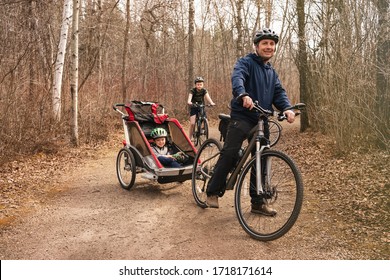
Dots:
(253, 79)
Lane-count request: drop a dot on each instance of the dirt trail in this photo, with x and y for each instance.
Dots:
(91, 217)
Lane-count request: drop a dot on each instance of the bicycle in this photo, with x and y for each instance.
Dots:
(268, 172)
(201, 129)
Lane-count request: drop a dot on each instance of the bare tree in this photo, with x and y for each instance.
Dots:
(150, 24)
(125, 47)
(383, 69)
(98, 7)
(74, 73)
(240, 29)
(302, 61)
(237, 7)
(191, 28)
(269, 5)
(33, 26)
(59, 64)
(342, 52)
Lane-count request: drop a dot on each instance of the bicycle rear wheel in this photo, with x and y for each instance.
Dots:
(283, 192)
(125, 168)
(203, 168)
(275, 130)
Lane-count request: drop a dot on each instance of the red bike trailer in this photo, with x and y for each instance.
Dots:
(136, 155)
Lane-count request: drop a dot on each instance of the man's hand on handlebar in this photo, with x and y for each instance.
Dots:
(290, 112)
(290, 115)
(247, 102)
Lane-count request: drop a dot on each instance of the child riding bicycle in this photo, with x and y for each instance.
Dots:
(197, 96)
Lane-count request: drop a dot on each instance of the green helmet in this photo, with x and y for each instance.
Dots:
(158, 132)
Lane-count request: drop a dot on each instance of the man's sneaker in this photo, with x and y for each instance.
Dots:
(263, 209)
(212, 201)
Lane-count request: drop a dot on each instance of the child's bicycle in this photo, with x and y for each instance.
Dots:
(136, 155)
(268, 172)
(201, 129)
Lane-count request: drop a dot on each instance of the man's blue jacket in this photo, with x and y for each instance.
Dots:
(251, 75)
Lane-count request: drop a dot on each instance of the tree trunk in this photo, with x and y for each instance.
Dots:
(239, 49)
(191, 27)
(268, 13)
(100, 58)
(74, 73)
(302, 62)
(383, 70)
(124, 55)
(59, 65)
(33, 23)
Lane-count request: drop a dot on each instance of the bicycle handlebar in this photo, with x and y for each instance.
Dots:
(261, 110)
(196, 105)
(256, 105)
(298, 106)
(268, 113)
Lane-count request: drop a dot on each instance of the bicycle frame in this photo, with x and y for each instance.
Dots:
(200, 134)
(260, 143)
(254, 142)
(200, 116)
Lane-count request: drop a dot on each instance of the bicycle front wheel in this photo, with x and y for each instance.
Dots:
(204, 131)
(203, 169)
(283, 191)
(275, 130)
(197, 130)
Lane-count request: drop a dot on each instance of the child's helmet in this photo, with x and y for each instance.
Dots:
(266, 33)
(158, 132)
(199, 79)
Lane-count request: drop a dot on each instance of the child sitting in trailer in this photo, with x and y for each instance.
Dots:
(162, 150)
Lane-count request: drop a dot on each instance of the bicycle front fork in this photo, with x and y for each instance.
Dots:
(262, 178)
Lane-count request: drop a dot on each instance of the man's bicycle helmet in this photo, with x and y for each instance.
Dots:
(199, 79)
(158, 133)
(266, 33)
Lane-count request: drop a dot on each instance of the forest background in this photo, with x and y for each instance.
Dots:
(64, 63)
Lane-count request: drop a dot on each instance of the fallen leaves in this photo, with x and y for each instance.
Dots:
(352, 189)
